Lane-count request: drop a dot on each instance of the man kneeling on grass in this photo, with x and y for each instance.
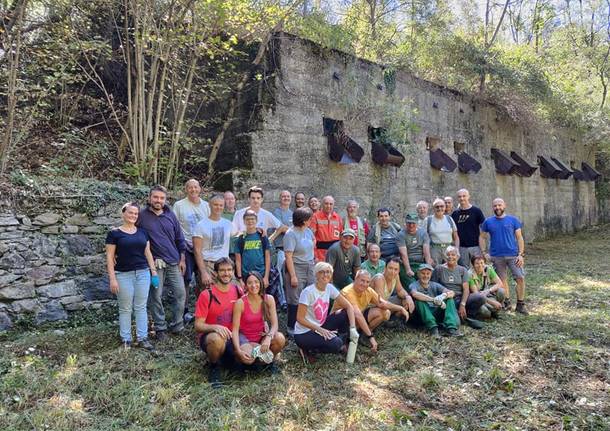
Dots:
(213, 319)
(434, 304)
(370, 310)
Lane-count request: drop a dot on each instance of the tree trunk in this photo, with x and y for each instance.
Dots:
(12, 43)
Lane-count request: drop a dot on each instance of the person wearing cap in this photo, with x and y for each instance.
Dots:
(414, 247)
(385, 234)
(326, 226)
(344, 257)
(374, 265)
(434, 304)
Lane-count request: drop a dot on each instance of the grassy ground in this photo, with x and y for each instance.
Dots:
(548, 371)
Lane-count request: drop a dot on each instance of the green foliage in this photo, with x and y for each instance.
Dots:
(548, 64)
(76, 195)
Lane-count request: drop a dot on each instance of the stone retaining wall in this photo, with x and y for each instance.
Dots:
(52, 264)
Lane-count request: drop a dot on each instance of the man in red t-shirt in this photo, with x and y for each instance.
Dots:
(214, 317)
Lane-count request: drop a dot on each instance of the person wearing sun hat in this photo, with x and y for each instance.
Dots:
(344, 257)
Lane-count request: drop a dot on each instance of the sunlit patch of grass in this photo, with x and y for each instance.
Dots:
(545, 371)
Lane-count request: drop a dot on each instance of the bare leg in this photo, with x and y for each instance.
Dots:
(277, 343)
(520, 289)
(377, 316)
(215, 347)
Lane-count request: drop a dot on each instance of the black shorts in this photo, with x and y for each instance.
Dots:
(228, 357)
(365, 313)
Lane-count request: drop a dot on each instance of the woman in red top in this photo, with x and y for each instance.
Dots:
(255, 325)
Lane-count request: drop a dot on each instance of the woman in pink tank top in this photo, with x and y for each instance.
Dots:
(255, 325)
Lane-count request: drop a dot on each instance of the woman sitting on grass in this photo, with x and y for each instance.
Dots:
(251, 339)
(316, 330)
(483, 279)
(130, 265)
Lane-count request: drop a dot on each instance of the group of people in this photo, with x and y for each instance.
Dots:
(340, 277)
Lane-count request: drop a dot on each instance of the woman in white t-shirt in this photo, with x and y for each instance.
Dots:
(442, 231)
(315, 330)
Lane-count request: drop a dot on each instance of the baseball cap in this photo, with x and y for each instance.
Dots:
(349, 232)
(411, 218)
(425, 266)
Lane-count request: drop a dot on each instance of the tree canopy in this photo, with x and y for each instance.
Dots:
(135, 75)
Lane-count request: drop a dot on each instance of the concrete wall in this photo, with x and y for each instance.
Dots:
(288, 148)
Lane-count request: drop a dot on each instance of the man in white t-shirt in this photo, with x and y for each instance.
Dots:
(266, 220)
(190, 211)
(211, 239)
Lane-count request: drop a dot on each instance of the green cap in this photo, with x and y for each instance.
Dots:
(425, 266)
(411, 218)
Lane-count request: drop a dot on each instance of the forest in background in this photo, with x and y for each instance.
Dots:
(145, 90)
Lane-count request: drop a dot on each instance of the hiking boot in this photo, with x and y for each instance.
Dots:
(126, 345)
(178, 331)
(214, 377)
(160, 336)
(454, 333)
(474, 323)
(363, 340)
(485, 312)
(146, 345)
(394, 322)
(274, 369)
(520, 308)
(507, 304)
(434, 332)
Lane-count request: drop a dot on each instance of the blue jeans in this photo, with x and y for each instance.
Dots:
(133, 294)
(191, 267)
(170, 278)
(281, 260)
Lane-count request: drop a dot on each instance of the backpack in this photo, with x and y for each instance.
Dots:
(447, 217)
(213, 298)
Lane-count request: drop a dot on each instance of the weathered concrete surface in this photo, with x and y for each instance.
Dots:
(288, 148)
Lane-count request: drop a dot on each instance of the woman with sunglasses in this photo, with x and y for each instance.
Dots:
(442, 231)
